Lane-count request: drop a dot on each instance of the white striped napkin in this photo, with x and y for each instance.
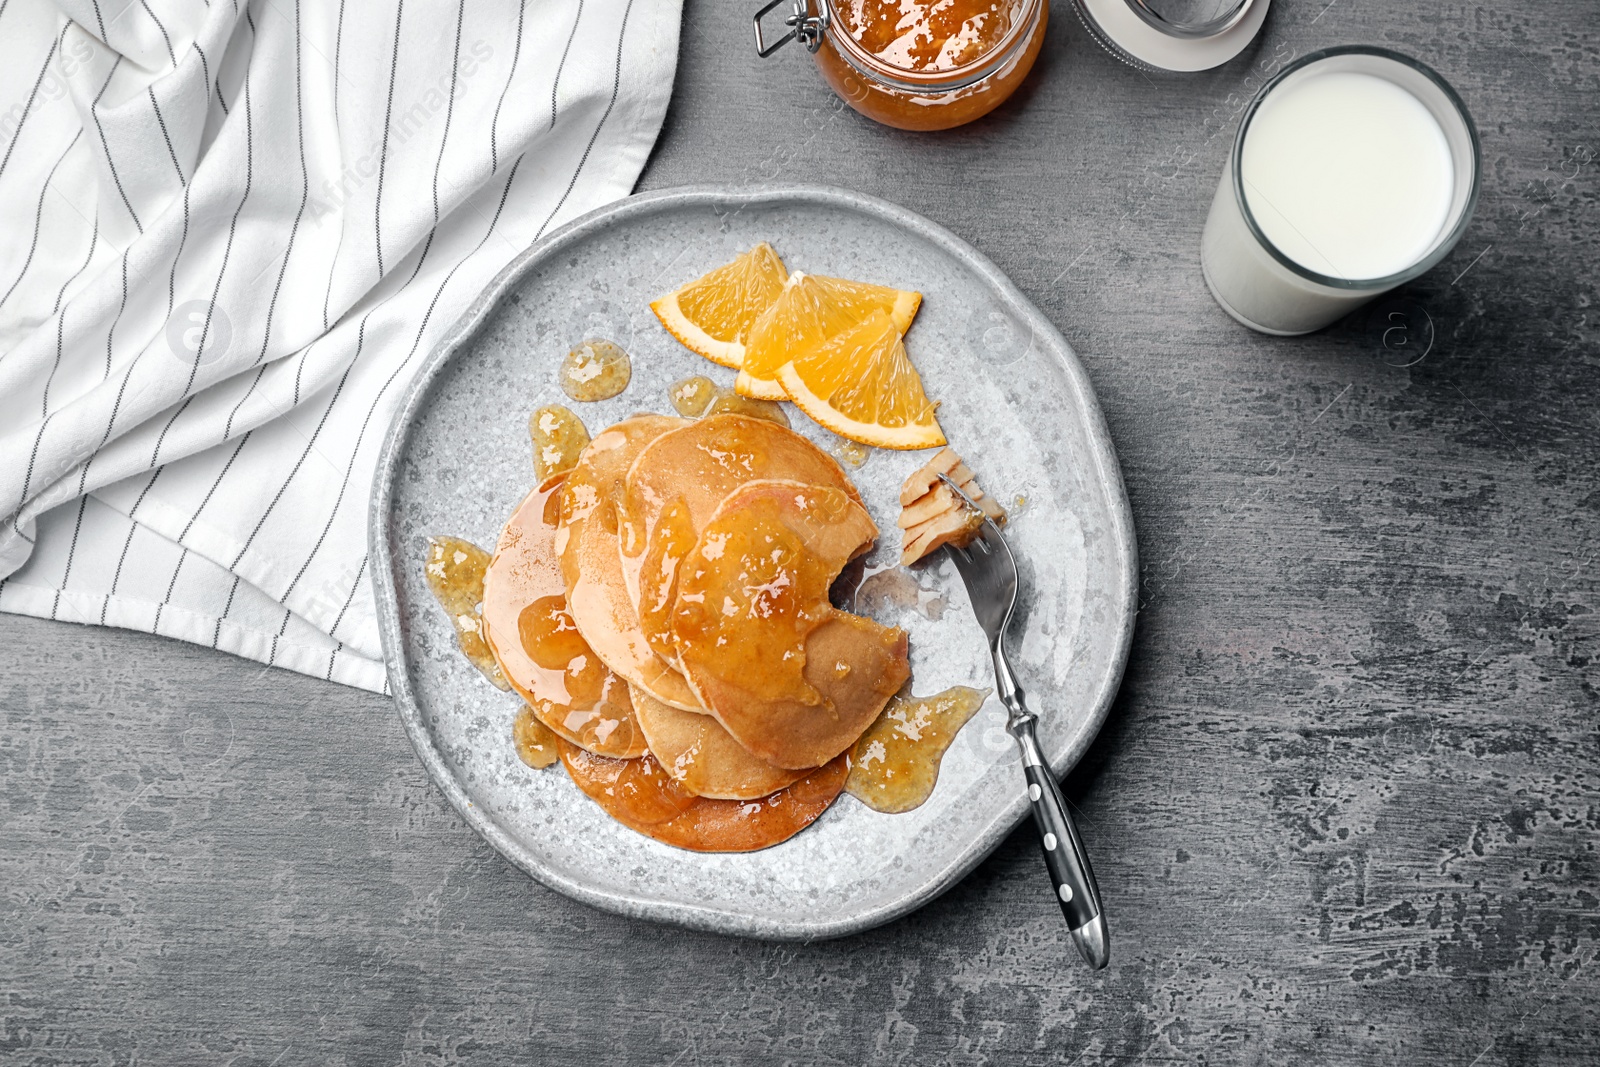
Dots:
(229, 234)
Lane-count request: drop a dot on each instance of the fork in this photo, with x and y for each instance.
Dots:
(990, 574)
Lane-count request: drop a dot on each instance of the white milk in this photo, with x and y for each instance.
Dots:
(1357, 166)
(1348, 174)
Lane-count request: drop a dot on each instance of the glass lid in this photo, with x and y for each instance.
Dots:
(1173, 35)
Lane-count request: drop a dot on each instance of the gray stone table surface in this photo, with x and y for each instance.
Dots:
(1345, 809)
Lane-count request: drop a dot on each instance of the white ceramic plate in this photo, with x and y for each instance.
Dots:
(1015, 403)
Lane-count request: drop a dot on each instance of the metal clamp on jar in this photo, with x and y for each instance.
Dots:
(939, 79)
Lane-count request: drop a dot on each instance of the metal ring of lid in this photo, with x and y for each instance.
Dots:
(1134, 37)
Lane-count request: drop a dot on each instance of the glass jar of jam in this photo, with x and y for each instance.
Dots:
(916, 64)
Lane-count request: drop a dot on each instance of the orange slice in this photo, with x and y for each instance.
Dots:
(861, 385)
(809, 312)
(713, 314)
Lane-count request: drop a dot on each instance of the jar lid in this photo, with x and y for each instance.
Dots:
(1173, 35)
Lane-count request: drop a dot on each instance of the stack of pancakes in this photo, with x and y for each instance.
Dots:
(663, 607)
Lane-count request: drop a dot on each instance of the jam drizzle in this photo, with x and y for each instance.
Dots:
(559, 438)
(454, 571)
(595, 370)
(895, 764)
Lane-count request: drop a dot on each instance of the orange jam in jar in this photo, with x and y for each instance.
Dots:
(919, 64)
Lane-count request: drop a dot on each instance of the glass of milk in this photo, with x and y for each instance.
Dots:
(1354, 171)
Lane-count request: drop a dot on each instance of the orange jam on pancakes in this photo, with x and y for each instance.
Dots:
(758, 588)
(792, 678)
(536, 643)
(689, 472)
(597, 594)
(641, 795)
(671, 540)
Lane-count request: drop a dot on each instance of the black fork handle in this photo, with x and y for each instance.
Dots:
(1071, 877)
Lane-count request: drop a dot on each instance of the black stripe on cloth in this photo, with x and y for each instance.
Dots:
(38, 215)
(449, 112)
(299, 369)
(251, 21)
(338, 648)
(338, 47)
(133, 527)
(172, 583)
(27, 108)
(216, 482)
(171, 55)
(616, 86)
(151, 93)
(361, 340)
(311, 444)
(205, 70)
(333, 265)
(438, 163)
(415, 344)
(61, 319)
(172, 282)
(83, 475)
(209, 492)
(305, 194)
(216, 631)
(349, 599)
(494, 125)
(17, 526)
(102, 22)
(383, 155)
(50, 379)
(227, 429)
(28, 478)
(161, 438)
(121, 306)
(72, 551)
(272, 657)
(233, 226)
(94, 242)
(554, 85)
(94, 113)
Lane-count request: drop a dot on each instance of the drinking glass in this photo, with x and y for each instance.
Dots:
(1262, 286)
